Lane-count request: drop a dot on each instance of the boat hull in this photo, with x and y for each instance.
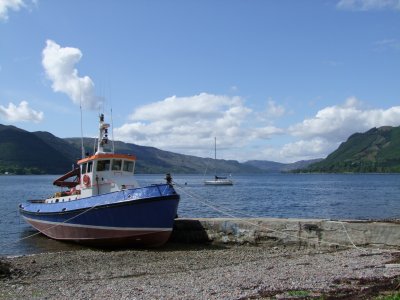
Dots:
(142, 217)
(219, 182)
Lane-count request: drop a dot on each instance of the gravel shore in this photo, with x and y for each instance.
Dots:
(202, 272)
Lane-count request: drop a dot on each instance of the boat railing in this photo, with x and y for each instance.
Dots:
(36, 201)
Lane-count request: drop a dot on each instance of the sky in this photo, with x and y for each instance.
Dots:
(277, 80)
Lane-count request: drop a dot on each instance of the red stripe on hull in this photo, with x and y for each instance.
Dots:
(103, 237)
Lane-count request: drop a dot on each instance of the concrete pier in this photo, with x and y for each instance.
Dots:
(302, 232)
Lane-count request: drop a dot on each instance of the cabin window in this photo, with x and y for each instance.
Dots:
(89, 167)
(128, 166)
(103, 165)
(83, 169)
(116, 165)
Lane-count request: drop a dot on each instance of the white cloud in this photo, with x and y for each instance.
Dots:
(59, 64)
(322, 134)
(292, 151)
(195, 107)
(365, 5)
(7, 5)
(274, 110)
(336, 123)
(20, 113)
(387, 44)
(307, 149)
(189, 123)
(266, 132)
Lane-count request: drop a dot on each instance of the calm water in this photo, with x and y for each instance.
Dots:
(344, 196)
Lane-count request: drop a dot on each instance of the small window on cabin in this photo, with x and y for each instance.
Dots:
(116, 165)
(103, 165)
(83, 169)
(128, 166)
(89, 167)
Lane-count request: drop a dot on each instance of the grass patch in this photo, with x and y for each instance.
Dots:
(394, 296)
(300, 293)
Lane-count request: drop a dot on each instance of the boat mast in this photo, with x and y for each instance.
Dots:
(103, 134)
(215, 148)
(215, 156)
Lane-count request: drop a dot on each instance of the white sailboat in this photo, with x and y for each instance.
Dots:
(218, 180)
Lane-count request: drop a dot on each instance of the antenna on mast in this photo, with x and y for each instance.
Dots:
(80, 107)
(112, 132)
(112, 121)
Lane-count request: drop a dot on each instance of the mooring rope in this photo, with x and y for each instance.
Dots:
(233, 212)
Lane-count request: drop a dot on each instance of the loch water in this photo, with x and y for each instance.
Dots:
(321, 196)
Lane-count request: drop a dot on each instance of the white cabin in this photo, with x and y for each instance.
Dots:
(101, 173)
(105, 173)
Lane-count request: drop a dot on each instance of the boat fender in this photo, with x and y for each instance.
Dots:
(86, 180)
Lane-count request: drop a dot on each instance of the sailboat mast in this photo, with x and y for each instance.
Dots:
(215, 148)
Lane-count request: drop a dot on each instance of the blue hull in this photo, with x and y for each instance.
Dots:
(141, 216)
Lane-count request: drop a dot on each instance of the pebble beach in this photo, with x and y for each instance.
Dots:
(178, 271)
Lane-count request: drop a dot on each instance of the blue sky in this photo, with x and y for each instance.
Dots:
(272, 80)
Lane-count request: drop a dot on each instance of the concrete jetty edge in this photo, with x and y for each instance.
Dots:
(275, 231)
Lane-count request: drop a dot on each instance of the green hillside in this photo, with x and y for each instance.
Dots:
(22, 152)
(153, 160)
(377, 150)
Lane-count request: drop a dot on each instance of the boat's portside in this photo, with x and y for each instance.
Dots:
(138, 216)
(104, 236)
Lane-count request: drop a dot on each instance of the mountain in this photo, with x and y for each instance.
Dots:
(271, 166)
(23, 152)
(377, 150)
(68, 150)
(265, 165)
(153, 160)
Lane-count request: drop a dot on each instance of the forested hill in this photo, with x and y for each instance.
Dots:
(153, 160)
(377, 150)
(23, 152)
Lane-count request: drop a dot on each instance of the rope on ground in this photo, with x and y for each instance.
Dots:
(231, 214)
(347, 233)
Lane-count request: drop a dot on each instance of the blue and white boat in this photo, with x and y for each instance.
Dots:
(103, 205)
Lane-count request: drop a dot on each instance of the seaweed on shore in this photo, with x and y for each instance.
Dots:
(5, 269)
